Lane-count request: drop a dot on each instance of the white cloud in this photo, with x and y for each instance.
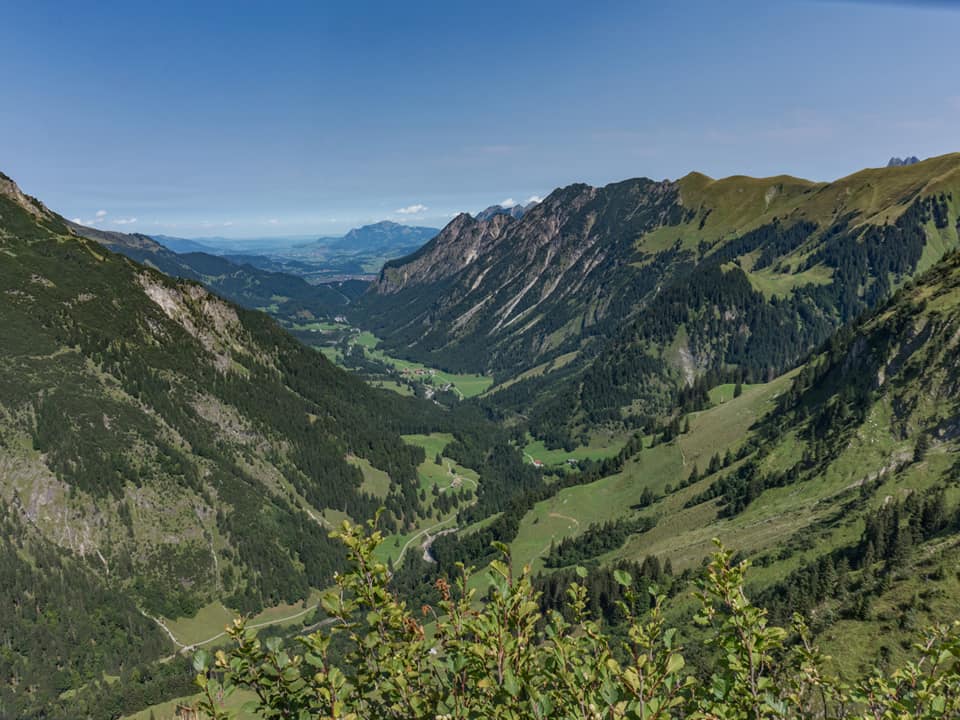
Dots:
(98, 217)
(508, 203)
(534, 199)
(413, 209)
(273, 221)
(124, 221)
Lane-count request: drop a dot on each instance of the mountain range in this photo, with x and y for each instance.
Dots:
(286, 295)
(601, 304)
(769, 361)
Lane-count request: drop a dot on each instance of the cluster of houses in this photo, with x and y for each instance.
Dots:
(418, 372)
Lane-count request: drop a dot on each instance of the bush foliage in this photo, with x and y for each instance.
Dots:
(502, 658)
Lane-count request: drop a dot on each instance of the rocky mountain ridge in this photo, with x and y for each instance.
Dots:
(660, 282)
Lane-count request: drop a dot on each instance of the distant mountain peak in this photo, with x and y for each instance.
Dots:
(385, 235)
(381, 225)
(901, 162)
(516, 211)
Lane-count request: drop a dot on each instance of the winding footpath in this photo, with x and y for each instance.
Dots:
(183, 649)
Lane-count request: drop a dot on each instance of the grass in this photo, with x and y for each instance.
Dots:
(430, 475)
(727, 208)
(537, 371)
(441, 475)
(366, 339)
(211, 620)
(432, 444)
(683, 534)
(464, 384)
(375, 481)
(317, 326)
(602, 445)
(467, 385)
(167, 710)
(773, 284)
(724, 393)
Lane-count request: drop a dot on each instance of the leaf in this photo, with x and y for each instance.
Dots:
(623, 578)
(675, 664)
(938, 704)
(510, 683)
(581, 571)
(200, 660)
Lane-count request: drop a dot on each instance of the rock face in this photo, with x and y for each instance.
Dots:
(459, 244)
(501, 281)
(10, 190)
(901, 162)
(515, 211)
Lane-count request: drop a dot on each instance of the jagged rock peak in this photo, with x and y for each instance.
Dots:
(901, 162)
(9, 189)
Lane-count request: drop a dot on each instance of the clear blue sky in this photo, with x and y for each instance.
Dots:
(280, 118)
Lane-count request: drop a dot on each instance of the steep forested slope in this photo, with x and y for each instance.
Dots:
(160, 448)
(841, 481)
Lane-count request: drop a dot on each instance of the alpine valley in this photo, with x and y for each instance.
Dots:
(603, 381)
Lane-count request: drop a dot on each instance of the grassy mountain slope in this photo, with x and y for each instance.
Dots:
(841, 481)
(161, 448)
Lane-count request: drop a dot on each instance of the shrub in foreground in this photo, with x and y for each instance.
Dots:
(503, 659)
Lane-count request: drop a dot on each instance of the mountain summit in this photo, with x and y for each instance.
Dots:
(630, 291)
(902, 162)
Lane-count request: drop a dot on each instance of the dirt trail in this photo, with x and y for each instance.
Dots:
(428, 543)
(565, 517)
(419, 534)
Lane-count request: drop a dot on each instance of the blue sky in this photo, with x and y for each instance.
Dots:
(266, 119)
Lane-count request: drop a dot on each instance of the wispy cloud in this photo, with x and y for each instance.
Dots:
(98, 217)
(413, 209)
(508, 203)
(124, 221)
(534, 199)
